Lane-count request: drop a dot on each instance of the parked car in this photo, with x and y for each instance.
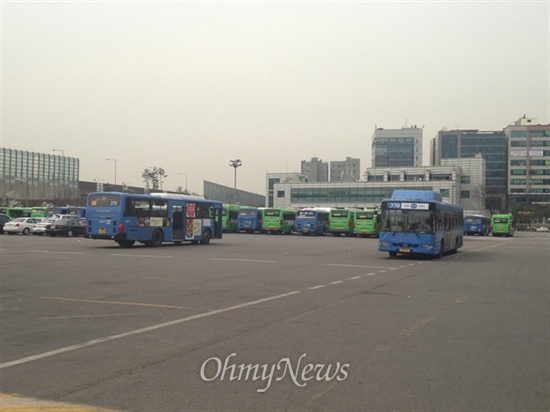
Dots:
(3, 220)
(59, 217)
(66, 227)
(40, 227)
(542, 229)
(22, 225)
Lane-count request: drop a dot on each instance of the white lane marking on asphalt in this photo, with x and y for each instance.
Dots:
(246, 260)
(335, 282)
(370, 274)
(355, 277)
(317, 287)
(142, 330)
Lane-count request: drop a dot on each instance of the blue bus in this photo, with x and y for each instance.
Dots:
(76, 210)
(249, 220)
(477, 225)
(152, 219)
(312, 221)
(418, 222)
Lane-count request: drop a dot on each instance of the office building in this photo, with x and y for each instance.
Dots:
(397, 147)
(460, 181)
(348, 170)
(529, 166)
(492, 145)
(316, 170)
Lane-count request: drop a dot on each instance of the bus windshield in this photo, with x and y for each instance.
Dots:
(364, 215)
(306, 213)
(398, 220)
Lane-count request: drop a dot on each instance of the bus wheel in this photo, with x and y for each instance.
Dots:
(126, 243)
(393, 254)
(156, 238)
(206, 237)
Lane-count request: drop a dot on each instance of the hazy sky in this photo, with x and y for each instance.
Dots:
(188, 86)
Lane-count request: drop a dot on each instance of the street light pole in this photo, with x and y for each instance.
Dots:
(181, 173)
(235, 164)
(113, 160)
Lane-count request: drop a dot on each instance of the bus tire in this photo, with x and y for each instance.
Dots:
(441, 250)
(392, 254)
(206, 237)
(126, 243)
(156, 238)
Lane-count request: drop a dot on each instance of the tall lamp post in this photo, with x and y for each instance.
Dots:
(234, 164)
(181, 173)
(113, 160)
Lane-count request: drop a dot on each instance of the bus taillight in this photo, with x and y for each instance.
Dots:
(120, 228)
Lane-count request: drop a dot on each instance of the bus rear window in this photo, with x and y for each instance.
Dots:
(104, 200)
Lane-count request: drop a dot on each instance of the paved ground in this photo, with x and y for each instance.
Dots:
(265, 322)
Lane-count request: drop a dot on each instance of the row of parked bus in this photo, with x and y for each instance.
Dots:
(42, 211)
(497, 225)
(307, 221)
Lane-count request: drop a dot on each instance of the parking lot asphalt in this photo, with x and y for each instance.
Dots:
(273, 322)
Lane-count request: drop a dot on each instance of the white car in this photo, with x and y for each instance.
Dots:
(40, 227)
(22, 225)
(542, 229)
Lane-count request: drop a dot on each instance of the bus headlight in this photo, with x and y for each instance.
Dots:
(427, 246)
(382, 243)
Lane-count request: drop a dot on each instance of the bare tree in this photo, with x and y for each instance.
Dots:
(152, 177)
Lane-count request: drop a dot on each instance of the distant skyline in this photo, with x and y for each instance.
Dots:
(189, 86)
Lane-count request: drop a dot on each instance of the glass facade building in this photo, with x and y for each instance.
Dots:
(492, 145)
(397, 147)
(529, 167)
(40, 176)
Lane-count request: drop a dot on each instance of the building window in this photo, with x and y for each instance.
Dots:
(444, 192)
(465, 179)
(280, 193)
(465, 194)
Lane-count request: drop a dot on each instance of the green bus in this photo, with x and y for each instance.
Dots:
(340, 222)
(367, 223)
(230, 215)
(502, 224)
(277, 220)
(14, 212)
(39, 211)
